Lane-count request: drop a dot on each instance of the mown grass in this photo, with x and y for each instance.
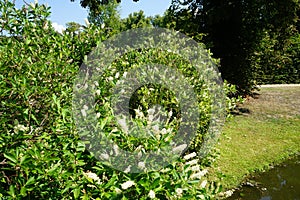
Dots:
(265, 132)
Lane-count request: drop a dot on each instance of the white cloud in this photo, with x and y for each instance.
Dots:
(59, 28)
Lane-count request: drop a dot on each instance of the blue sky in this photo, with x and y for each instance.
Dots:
(64, 11)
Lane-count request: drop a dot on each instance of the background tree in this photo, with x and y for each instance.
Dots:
(136, 20)
(248, 36)
(106, 16)
(234, 30)
(73, 27)
(93, 5)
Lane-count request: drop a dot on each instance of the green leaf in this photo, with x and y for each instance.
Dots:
(12, 191)
(29, 60)
(23, 191)
(50, 171)
(27, 41)
(144, 182)
(30, 181)
(80, 146)
(34, 118)
(11, 157)
(24, 159)
(155, 183)
(111, 182)
(76, 192)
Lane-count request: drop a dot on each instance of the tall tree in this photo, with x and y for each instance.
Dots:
(106, 16)
(136, 20)
(94, 4)
(234, 28)
(73, 27)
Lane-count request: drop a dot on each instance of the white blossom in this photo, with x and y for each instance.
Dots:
(151, 111)
(116, 149)
(151, 194)
(122, 123)
(91, 186)
(93, 176)
(203, 184)
(155, 128)
(141, 165)
(226, 194)
(163, 131)
(179, 191)
(83, 112)
(201, 196)
(195, 168)
(150, 118)
(140, 154)
(21, 127)
(199, 175)
(139, 113)
(85, 86)
(98, 92)
(118, 191)
(127, 170)
(170, 113)
(189, 156)
(98, 115)
(165, 170)
(180, 148)
(127, 185)
(87, 23)
(104, 156)
(204, 171)
(96, 83)
(196, 176)
(192, 162)
(157, 136)
(110, 78)
(139, 148)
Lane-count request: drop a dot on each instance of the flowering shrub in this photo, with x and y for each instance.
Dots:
(180, 180)
(41, 154)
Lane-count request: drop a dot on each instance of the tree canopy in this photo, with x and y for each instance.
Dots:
(94, 4)
(247, 36)
(234, 29)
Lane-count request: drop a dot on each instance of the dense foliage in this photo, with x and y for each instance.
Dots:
(278, 63)
(238, 31)
(255, 39)
(41, 154)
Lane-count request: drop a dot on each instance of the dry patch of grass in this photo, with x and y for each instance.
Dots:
(265, 132)
(280, 102)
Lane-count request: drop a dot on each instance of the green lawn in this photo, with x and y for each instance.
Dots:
(266, 132)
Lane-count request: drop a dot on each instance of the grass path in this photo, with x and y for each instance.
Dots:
(265, 132)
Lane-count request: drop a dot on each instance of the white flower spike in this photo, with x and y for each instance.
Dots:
(151, 194)
(127, 185)
(179, 191)
(189, 156)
